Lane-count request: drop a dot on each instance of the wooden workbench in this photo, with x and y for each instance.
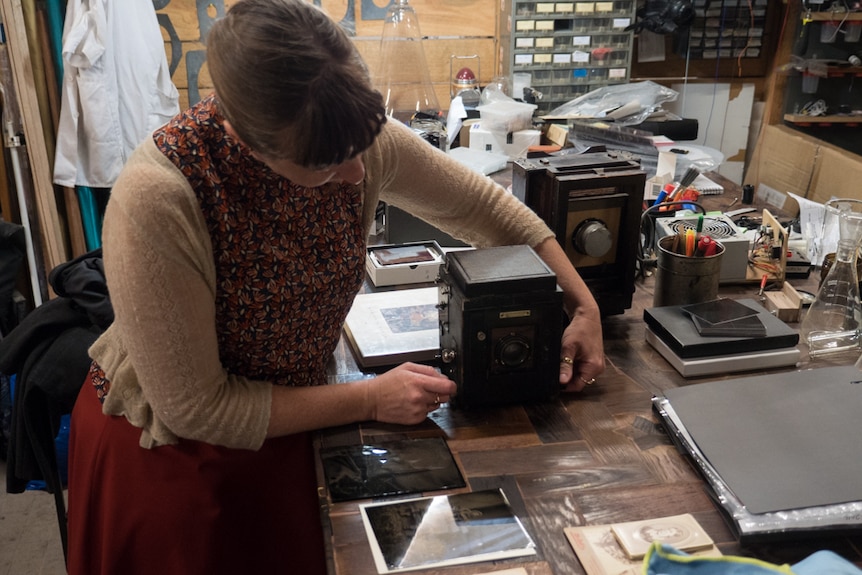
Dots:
(590, 458)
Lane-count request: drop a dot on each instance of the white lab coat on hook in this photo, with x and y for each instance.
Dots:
(117, 88)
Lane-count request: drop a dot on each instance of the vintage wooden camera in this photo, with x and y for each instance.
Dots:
(501, 322)
(593, 202)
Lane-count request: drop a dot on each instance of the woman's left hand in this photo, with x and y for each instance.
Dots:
(582, 357)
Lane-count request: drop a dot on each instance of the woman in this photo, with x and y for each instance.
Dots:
(234, 243)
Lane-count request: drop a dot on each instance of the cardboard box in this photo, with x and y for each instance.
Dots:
(837, 174)
(787, 160)
(409, 263)
(514, 144)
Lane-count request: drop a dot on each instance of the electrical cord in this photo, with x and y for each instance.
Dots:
(646, 237)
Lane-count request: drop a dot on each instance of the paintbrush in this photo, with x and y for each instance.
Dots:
(690, 176)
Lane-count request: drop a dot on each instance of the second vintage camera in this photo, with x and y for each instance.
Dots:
(501, 322)
(593, 203)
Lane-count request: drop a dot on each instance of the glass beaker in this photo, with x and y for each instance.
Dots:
(404, 79)
(833, 320)
(842, 220)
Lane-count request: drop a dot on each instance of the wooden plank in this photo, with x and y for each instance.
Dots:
(776, 83)
(6, 209)
(52, 88)
(456, 28)
(37, 59)
(437, 18)
(777, 79)
(53, 244)
(76, 225)
(438, 56)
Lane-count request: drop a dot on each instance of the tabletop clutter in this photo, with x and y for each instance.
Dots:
(695, 330)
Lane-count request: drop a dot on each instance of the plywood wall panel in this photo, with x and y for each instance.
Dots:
(452, 27)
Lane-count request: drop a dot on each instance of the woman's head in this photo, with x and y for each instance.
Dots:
(291, 83)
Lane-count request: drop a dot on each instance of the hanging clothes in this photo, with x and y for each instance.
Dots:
(117, 88)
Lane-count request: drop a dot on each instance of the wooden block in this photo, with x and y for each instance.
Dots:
(557, 134)
(786, 304)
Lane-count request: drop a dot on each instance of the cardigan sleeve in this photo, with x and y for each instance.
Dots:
(161, 353)
(409, 173)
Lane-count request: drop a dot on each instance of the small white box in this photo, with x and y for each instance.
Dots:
(486, 140)
(507, 116)
(409, 263)
(513, 144)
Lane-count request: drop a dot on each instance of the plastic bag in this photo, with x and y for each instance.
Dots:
(626, 104)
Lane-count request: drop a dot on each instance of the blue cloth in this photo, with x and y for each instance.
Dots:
(666, 560)
(825, 563)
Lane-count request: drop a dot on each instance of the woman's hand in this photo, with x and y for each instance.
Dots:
(582, 357)
(407, 393)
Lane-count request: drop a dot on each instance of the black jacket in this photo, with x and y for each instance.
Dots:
(47, 353)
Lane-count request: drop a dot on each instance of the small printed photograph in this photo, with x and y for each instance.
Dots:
(444, 530)
(601, 551)
(411, 254)
(410, 318)
(682, 532)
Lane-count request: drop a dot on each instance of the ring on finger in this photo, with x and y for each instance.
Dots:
(437, 399)
(567, 359)
(590, 381)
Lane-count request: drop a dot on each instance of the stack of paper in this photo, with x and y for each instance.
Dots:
(706, 186)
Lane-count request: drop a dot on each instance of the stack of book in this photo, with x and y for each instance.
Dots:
(721, 336)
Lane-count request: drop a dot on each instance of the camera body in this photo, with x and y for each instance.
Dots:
(501, 322)
(593, 203)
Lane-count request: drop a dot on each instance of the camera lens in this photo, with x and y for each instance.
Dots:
(513, 351)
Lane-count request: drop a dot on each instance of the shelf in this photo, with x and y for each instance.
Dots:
(823, 121)
(830, 16)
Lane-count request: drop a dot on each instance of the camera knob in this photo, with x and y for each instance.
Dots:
(592, 238)
(448, 355)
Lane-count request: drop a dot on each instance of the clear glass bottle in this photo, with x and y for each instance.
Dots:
(404, 79)
(833, 321)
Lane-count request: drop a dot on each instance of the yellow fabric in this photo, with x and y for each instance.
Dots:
(665, 560)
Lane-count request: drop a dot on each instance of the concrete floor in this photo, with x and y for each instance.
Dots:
(29, 536)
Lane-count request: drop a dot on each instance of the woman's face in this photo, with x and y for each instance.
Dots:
(351, 171)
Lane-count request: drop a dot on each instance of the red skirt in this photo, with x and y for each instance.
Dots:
(190, 508)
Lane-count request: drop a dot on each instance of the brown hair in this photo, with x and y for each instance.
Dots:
(292, 84)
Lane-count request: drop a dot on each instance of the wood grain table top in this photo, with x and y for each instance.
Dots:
(589, 458)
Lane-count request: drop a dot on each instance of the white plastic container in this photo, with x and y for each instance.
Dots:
(506, 116)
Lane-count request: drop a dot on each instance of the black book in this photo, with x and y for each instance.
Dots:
(674, 325)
